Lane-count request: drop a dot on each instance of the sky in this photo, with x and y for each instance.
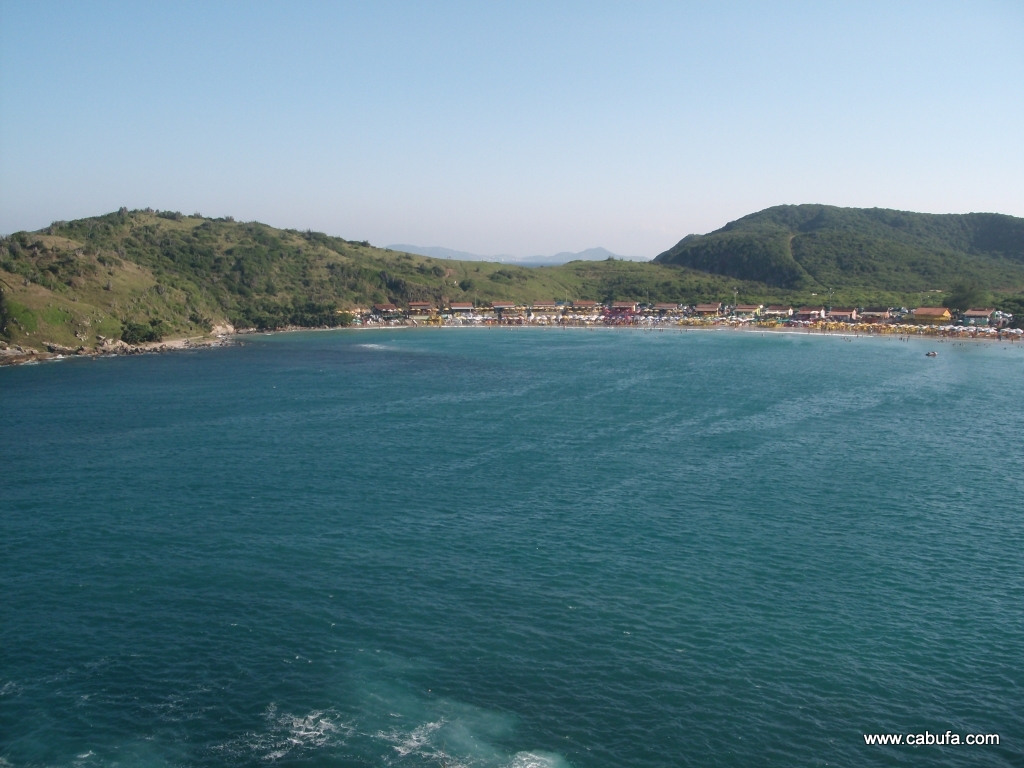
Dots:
(520, 128)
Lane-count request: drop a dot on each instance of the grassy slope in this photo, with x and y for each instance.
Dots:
(861, 251)
(181, 275)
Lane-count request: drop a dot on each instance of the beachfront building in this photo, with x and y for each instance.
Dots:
(461, 307)
(842, 315)
(420, 308)
(979, 316)
(778, 311)
(875, 315)
(810, 314)
(930, 316)
(508, 313)
(749, 311)
(386, 310)
(666, 308)
(708, 310)
(584, 305)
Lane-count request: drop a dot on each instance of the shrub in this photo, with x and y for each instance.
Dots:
(507, 276)
(202, 322)
(139, 333)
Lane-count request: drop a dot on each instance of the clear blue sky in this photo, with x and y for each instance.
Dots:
(515, 128)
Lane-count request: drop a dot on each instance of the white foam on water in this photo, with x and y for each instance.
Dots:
(386, 723)
(421, 745)
(287, 734)
(456, 736)
(407, 744)
(401, 726)
(537, 760)
(313, 730)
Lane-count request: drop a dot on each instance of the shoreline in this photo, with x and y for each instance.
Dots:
(13, 355)
(16, 354)
(808, 332)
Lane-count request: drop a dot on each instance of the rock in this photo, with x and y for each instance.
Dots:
(60, 349)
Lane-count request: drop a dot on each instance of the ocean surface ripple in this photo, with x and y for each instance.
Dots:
(513, 549)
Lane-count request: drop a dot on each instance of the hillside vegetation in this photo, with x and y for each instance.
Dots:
(145, 275)
(818, 247)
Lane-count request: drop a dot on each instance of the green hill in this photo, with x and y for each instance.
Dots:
(818, 247)
(145, 275)
(148, 274)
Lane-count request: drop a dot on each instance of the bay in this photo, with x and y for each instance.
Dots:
(514, 547)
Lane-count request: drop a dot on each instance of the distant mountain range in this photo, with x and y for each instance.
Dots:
(564, 257)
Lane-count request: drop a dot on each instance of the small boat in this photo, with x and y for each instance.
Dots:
(931, 354)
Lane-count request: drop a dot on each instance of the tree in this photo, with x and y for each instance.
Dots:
(966, 294)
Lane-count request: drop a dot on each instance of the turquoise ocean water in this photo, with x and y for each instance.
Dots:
(513, 548)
